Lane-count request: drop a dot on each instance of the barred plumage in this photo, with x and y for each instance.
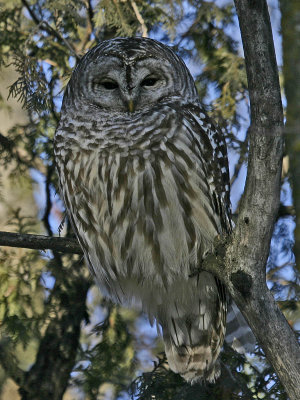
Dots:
(144, 176)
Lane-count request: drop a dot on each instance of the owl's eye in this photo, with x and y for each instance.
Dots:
(107, 84)
(149, 81)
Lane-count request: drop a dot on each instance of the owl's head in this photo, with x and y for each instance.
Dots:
(129, 75)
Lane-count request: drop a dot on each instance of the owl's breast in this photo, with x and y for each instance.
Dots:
(142, 216)
(142, 207)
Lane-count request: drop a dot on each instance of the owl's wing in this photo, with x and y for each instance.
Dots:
(214, 152)
(212, 142)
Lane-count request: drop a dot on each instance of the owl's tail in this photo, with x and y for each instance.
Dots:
(194, 363)
(194, 334)
(193, 344)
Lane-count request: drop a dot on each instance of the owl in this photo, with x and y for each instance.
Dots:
(144, 176)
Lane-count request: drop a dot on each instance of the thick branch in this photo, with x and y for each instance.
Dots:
(39, 242)
(243, 267)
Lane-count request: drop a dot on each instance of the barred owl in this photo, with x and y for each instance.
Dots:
(144, 176)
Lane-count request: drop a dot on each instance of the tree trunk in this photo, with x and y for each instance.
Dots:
(242, 267)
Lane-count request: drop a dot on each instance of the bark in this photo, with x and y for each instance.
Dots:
(241, 263)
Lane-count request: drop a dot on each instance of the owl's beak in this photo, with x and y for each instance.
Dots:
(130, 105)
(129, 96)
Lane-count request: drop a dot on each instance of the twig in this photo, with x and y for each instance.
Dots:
(48, 207)
(32, 14)
(286, 211)
(241, 160)
(48, 28)
(40, 242)
(90, 14)
(139, 18)
(90, 24)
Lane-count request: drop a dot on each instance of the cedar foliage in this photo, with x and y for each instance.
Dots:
(57, 334)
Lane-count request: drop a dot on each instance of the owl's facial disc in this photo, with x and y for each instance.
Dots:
(113, 84)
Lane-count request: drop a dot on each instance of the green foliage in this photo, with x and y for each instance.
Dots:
(109, 358)
(31, 87)
(21, 303)
(118, 16)
(217, 51)
(127, 17)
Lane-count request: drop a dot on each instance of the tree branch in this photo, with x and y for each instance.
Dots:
(89, 24)
(139, 18)
(241, 161)
(40, 242)
(45, 219)
(243, 266)
(48, 28)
